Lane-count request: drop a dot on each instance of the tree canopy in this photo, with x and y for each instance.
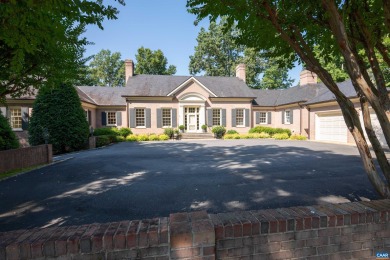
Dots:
(218, 53)
(152, 62)
(40, 41)
(354, 30)
(107, 69)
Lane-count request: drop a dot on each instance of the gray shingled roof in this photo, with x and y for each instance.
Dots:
(346, 87)
(158, 85)
(279, 97)
(103, 96)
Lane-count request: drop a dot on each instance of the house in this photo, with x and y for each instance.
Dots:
(150, 103)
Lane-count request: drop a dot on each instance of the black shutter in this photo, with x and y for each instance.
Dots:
(174, 117)
(25, 116)
(257, 115)
(147, 117)
(233, 117)
(283, 116)
(209, 117)
(291, 116)
(247, 117)
(159, 117)
(119, 118)
(132, 117)
(223, 112)
(104, 119)
(89, 117)
(269, 117)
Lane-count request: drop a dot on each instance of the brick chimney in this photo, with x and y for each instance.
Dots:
(307, 77)
(240, 72)
(129, 70)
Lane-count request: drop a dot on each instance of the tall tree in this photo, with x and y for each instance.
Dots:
(107, 69)
(218, 53)
(40, 41)
(354, 30)
(152, 62)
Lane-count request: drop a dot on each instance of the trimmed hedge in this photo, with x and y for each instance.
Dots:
(298, 137)
(106, 131)
(281, 136)
(231, 132)
(8, 139)
(218, 131)
(270, 130)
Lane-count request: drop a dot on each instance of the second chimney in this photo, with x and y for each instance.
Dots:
(129, 70)
(240, 72)
(307, 77)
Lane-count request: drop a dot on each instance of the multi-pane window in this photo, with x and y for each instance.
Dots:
(140, 117)
(111, 118)
(287, 117)
(216, 117)
(16, 118)
(263, 117)
(166, 117)
(240, 117)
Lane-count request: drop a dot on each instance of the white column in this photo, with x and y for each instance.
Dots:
(181, 114)
(202, 117)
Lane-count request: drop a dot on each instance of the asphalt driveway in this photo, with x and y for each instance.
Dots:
(145, 180)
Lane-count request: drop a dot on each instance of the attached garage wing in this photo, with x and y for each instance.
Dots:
(377, 128)
(331, 127)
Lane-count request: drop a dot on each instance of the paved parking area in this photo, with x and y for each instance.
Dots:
(145, 180)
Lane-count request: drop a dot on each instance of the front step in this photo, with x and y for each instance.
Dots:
(197, 136)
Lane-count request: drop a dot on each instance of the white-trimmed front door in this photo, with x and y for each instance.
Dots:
(191, 119)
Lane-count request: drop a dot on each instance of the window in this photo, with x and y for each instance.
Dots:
(216, 117)
(287, 117)
(140, 117)
(111, 118)
(16, 118)
(166, 117)
(239, 117)
(263, 117)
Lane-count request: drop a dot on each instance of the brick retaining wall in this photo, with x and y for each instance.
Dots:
(337, 231)
(25, 157)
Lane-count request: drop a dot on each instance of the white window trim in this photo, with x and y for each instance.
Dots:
(289, 117)
(266, 118)
(10, 119)
(162, 117)
(220, 116)
(107, 124)
(243, 117)
(135, 114)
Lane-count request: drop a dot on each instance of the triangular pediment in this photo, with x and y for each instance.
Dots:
(191, 82)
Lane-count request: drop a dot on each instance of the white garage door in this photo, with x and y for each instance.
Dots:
(331, 127)
(377, 128)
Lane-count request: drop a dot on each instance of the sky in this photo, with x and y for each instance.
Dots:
(153, 24)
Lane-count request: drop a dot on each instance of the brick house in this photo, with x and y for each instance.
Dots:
(150, 103)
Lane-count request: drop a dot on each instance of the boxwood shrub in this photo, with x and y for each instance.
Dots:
(218, 131)
(106, 131)
(270, 130)
(102, 140)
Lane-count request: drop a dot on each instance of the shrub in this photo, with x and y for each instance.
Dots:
(124, 131)
(181, 127)
(270, 130)
(218, 131)
(169, 132)
(153, 137)
(163, 137)
(8, 139)
(58, 109)
(106, 131)
(298, 137)
(102, 140)
(204, 127)
(282, 136)
(228, 136)
(142, 137)
(264, 135)
(119, 138)
(131, 138)
(231, 132)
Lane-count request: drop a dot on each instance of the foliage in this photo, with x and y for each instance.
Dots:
(230, 132)
(107, 69)
(298, 137)
(163, 137)
(169, 132)
(58, 110)
(131, 138)
(218, 53)
(102, 140)
(269, 130)
(152, 63)
(105, 131)
(125, 131)
(333, 63)
(40, 41)
(119, 138)
(181, 127)
(153, 137)
(218, 131)
(275, 77)
(142, 137)
(246, 136)
(204, 127)
(8, 139)
(281, 136)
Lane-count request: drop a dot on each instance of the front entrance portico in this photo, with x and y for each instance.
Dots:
(192, 112)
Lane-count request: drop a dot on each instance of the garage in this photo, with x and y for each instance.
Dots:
(331, 127)
(377, 128)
